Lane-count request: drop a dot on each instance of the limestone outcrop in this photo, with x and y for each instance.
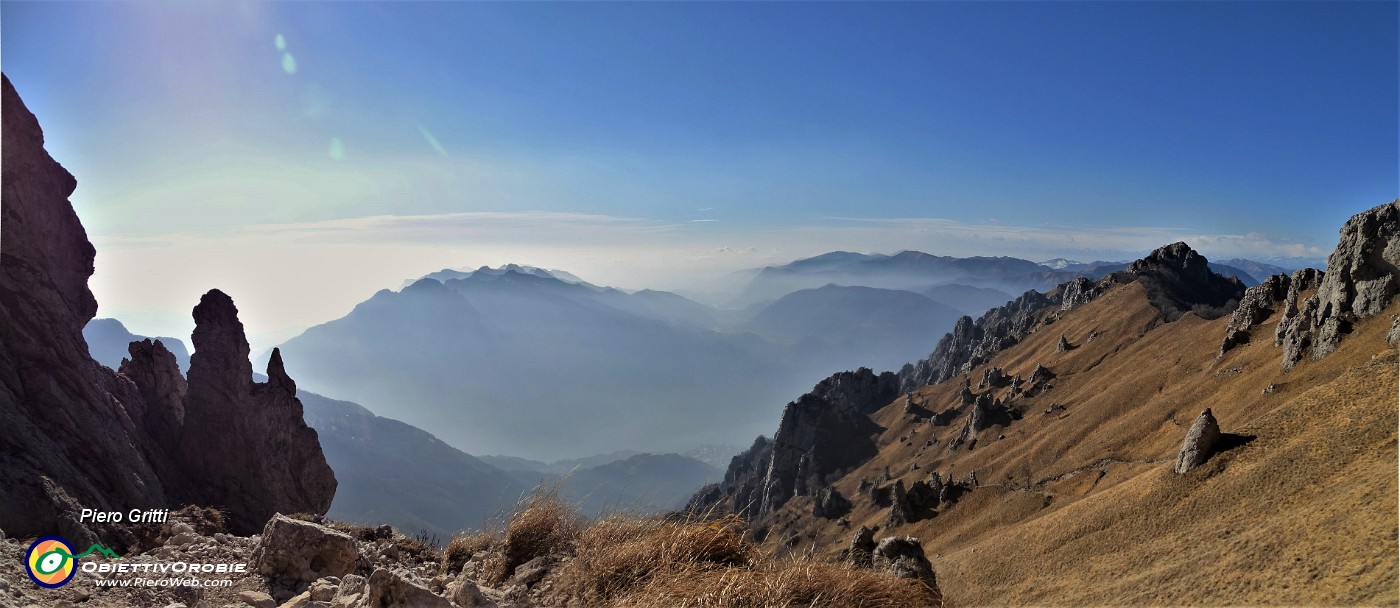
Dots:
(67, 439)
(903, 556)
(1360, 281)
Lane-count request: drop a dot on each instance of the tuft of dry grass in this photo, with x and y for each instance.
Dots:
(623, 552)
(631, 561)
(463, 546)
(542, 525)
(785, 583)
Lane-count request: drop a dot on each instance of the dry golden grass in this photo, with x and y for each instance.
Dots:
(1080, 507)
(464, 545)
(782, 583)
(622, 553)
(631, 561)
(542, 525)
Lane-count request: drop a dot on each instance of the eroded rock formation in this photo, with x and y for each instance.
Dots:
(79, 435)
(1360, 281)
(249, 435)
(824, 432)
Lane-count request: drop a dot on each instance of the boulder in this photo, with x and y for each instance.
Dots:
(465, 593)
(1200, 439)
(389, 589)
(295, 553)
(903, 556)
(257, 599)
(862, 548)
(1063, 345)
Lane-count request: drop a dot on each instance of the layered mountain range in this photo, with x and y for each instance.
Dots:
(1042, 439)
(539, 363)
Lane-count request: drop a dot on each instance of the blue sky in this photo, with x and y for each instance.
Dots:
(647, 143)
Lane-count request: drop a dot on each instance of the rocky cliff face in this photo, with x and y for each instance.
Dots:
(824, 432)
(821, 435)
(66, 441)
(1177, 280)
(76, 434)
(250, 435)
(1360, 281)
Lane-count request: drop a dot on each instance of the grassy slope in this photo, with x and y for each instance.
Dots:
(1081, 507)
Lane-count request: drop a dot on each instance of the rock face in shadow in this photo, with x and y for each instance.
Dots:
(249, 435)
(741, 492)
(1178, 280)
(67, 441)
(1360, 281)
(824, 432)
(75, 434)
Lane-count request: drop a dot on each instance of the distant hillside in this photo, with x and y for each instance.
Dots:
(906, 270)
(107, 341)
(849, 327)
(639, 483)
(394, 473)
(529, 365)
(972, 301)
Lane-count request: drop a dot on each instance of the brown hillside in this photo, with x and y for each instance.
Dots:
(1081, 507)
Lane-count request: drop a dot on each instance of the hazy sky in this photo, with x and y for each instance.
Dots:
(303, 155)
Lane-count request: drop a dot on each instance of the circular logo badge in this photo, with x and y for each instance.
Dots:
(50, 562)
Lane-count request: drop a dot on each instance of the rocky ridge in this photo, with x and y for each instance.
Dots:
(1360, 280)
(80, 435)
(828, 431)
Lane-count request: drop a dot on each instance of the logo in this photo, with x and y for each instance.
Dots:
(51, 562)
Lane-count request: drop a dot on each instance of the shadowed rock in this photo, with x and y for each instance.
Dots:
(862, 547)
(78, 435)
(249, 436)
(830, 504)
(1257, 305)
(825, 432)
(68, 439)
(903, 557)
(1178, 280)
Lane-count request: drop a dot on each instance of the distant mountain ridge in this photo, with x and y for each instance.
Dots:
(448, 274)
(512, 362)
(107, 340)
